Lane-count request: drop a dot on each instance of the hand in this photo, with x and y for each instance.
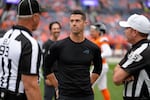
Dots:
(52, 80)
(128, 79)
(57, 93)
(48, 82)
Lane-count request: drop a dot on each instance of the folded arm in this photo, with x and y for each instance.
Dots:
(120, 76)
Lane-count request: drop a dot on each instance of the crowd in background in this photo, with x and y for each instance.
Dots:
(110, 12)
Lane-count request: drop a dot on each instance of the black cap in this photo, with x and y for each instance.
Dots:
(28, 7)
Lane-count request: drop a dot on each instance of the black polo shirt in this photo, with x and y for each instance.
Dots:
(74, 61)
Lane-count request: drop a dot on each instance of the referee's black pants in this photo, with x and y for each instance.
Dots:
(7, 95)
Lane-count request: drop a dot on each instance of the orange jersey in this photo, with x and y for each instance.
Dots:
(99, 42)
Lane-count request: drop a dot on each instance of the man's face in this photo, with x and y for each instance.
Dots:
(77, 24)
(55, 30)
(129, 34)
(94, 33)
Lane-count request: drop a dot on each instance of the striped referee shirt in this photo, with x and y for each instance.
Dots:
(19, 54)
(137, 63)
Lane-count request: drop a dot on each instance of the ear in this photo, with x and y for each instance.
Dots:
(36, 17)
(86, 23)
(135, 33)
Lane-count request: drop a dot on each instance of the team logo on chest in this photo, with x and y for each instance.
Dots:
(86, 51)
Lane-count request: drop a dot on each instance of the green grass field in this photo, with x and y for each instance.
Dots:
(115, 91)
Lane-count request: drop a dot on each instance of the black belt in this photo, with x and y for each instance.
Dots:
(4, 93)
(10, 92)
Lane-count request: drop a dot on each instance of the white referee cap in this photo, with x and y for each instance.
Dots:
(137, 22)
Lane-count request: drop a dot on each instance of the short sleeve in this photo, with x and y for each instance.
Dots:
(134, 61)
(50, 58)
(97, 61)
(30, 58)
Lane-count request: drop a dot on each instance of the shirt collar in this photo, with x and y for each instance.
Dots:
(22, 28)
(140, 42)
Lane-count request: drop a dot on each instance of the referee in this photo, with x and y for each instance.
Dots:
(134, 69)
(20, 56)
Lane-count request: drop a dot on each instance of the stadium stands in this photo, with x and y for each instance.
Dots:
(106, 11)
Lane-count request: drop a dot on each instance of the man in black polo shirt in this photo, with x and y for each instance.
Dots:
(74, 55)
(49, 90)
(134, 69)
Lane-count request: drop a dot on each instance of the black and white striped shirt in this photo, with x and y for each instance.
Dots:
(19, 54)
(137, 63)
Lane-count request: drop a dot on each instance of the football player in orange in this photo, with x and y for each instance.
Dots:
(97, 33)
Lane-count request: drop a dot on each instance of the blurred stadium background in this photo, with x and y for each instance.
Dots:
(107, 11)
(110, 12)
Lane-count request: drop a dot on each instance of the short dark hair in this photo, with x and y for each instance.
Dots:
(80, 12)
(52, 23)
